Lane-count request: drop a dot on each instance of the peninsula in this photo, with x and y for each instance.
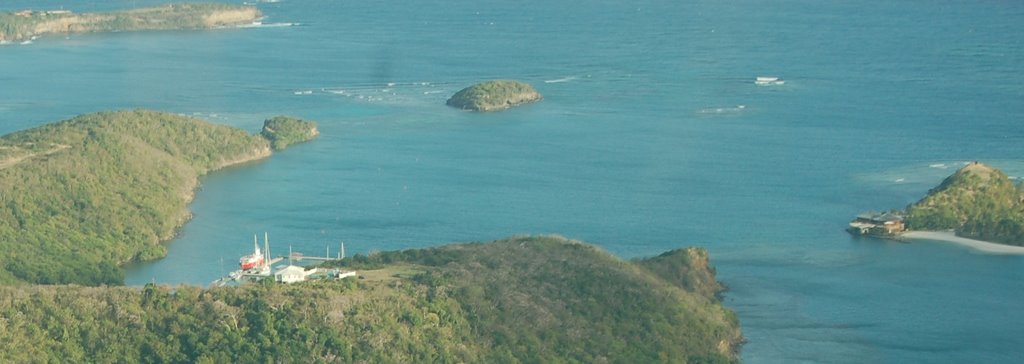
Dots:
(494, 96)
(524, 299)
(83, 196)
(977, 202)
(28, 24)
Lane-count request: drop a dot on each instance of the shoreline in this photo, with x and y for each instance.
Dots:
(190, 195)
(25, 26)
(979, 245)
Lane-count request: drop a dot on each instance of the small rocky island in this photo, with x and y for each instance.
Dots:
(977, 202)
(283, 131)
(494, 96)
(27, 24)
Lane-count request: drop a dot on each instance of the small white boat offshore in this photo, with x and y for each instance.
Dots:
(768, 81)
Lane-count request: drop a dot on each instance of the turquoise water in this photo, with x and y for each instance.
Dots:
(640, 145)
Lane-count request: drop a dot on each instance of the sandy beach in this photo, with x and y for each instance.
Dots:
(979, 245)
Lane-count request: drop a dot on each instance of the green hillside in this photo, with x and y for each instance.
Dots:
(83, 196)
(534, 300)
(977, 201)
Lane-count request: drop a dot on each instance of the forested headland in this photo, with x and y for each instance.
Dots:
(23, 25)
(978, 202)
(525, 299)
(83, 196)
(283, 131)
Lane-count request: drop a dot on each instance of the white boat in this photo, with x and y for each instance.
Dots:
(768, 80)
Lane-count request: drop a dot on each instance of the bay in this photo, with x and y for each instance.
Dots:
(652, 136)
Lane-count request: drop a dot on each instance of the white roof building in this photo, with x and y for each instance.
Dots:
(291, 274)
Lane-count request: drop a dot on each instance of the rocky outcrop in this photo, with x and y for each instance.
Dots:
(494, 96)
(688, 268)
(283, 131)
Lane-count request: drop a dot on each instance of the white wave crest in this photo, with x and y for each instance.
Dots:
(722, 110)
(560, 80)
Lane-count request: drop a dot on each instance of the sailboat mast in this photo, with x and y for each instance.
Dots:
(266, 246)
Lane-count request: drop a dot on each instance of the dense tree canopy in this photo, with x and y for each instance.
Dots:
(82, 196)
(529, 300)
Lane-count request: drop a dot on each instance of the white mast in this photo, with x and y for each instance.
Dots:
(266, 244)
(341, 254)
(255, 244)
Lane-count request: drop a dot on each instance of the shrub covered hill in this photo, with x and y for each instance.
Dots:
(526, 299)
(494, 96)
(23, 25)
(978, 202)
(80, 197)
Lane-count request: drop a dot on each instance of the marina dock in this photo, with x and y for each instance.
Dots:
(254, 267)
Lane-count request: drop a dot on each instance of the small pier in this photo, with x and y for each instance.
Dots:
(299, 256)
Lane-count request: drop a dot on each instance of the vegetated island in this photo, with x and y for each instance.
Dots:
(977, 202)
(494, 96)
(27, 24)
(523, 299)
(83, 196)
(283, 131)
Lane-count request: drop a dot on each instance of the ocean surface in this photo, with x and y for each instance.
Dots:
(652, 136)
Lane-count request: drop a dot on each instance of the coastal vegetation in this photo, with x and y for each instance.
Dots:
(23, 25)
(283, 131)
(83, 196)
(494, 96)
(978, 202)
(523, 299)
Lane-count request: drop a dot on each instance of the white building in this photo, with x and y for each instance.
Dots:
(291, 274)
